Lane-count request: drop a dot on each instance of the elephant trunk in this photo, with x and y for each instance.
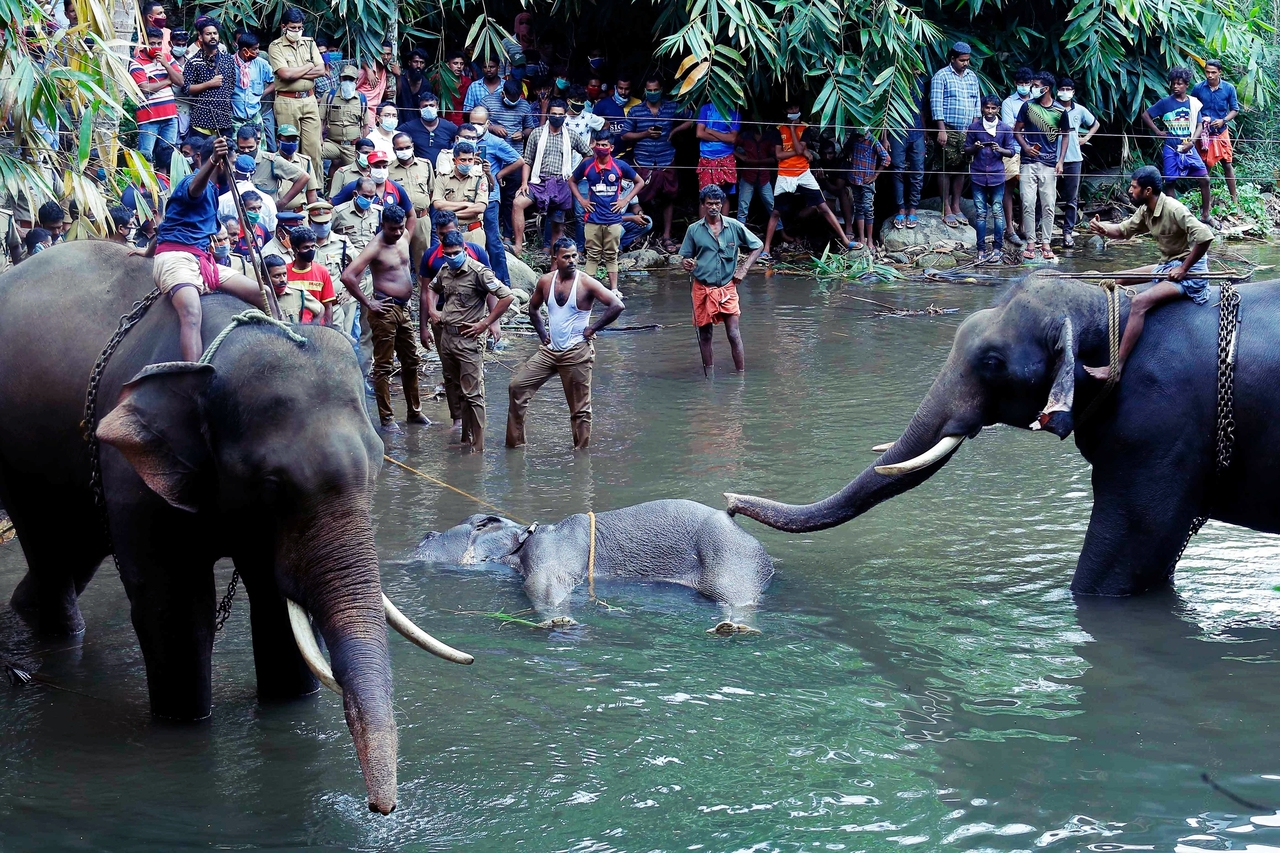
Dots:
(332, 572)
(932, 437)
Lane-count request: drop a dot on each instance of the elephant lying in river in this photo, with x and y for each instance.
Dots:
(1152, 441)
(672, 541)
(264, 455)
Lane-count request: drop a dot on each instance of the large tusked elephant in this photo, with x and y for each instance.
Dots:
(1152, 441)
(265, 456)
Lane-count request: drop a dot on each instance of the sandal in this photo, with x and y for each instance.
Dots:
(765, 258)
(912, 220)
(900, 221)
(951, 221)
(1048, 254)
(1029, 253)
(855, 246)
(1068, 242)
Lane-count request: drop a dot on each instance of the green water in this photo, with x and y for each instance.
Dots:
(924, 679)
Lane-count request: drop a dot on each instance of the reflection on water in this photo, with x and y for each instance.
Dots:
(924, 679)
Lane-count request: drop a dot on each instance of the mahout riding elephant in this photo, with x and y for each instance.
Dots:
(668, 541)
(1151, 441)
(264, 455)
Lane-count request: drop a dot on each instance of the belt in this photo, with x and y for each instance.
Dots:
(473, 226)
(457, 331)
(306, 94)
(381, 295)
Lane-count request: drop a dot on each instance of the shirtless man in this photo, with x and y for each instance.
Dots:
(1183, 241)
(568, 347)
(387, 256)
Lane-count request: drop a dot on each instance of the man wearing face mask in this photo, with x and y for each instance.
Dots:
(286, 221)
(243, 169)
(179, 49)
(604, 205)
(502, 161)
(510, 115)
(283, 175)
(548, 166)
(297, 63)
(1009, 109)
(457, 299)
(388, 120)
(650, 126)
(343, 121)
(335, 253)
(153, 15)
(344, 175)
(1078, 116)
(490, 83)
(613, 109)
(210, 80)
(386, 190)
(305, 272)
(418, 178)
(464, 191)
(123, 225)
(156, 74)
(430, 133)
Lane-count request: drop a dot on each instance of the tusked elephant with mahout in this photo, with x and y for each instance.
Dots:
(668, 541)
(1152, 441)
(264, 455)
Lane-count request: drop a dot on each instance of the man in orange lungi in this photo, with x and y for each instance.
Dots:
(710, 251)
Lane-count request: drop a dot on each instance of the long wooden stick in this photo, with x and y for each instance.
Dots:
(1149, 276)
(268, 294)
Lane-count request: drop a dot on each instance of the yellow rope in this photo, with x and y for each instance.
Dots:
(459, 491)
(1112, 289)
(591, 557)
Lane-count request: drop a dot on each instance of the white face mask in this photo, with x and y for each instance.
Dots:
(347, 88)
(292, 36)
(379, 173)
(1065, 95)
(1037, 91)
(388, 124)
(404, 155)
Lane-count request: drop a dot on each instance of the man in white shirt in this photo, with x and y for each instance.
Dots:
(245, 166)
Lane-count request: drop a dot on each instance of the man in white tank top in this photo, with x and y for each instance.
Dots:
(568, 346)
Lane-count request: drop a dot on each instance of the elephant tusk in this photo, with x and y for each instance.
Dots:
(881, 448)
(924, 460)
(421, 638)
(301, 625)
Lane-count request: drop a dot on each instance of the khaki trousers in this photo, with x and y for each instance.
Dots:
(602, 246)
(338, 153)
(462, 362)
(393, 338)
(574, 367)
(450, 391)
(304, 114)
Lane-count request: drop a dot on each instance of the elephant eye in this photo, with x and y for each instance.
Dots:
(993, 362)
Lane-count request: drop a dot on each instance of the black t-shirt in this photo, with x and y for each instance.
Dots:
(428, 144)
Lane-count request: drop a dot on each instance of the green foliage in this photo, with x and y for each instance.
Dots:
(851, 266)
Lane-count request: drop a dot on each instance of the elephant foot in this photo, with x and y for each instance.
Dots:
(51, 613)
(559, 622)
(728, 629)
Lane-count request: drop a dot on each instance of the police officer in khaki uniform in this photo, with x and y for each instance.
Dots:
(464, 284)
(344, 175)
(465, 191)
(286, 221)
(343, 112)
(336, 253)
(417, 177)
(297, 64)
(287, 143)
(278, 178)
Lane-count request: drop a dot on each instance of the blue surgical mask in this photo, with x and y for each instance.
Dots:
(363, 202)
(322, 229)
(595, 61)
(464, 169)
(653, 97)
(1024, 90)
(288, 149)
(222, 251)
(620, 99)
(429, 114)
(456, 261)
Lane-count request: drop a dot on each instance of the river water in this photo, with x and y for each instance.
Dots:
(924, 679)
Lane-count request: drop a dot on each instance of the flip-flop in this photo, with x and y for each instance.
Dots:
(1028, 254)
(1048, 254)
(950, 221)
(912, 220)
(855, 246)
(765, 258)
(900, 221)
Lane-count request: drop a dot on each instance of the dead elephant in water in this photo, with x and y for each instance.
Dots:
(670, 541)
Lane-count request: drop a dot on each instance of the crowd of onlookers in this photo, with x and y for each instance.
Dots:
(495, 141)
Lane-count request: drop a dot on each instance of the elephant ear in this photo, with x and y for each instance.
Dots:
(158, 426)
(1056, 415)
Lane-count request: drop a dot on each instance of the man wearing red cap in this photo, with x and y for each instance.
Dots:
(388, 191)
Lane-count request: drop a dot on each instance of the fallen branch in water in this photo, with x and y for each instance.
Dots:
(500, 616)
(1235, 798)
(931, 311)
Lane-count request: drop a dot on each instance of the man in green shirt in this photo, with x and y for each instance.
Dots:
(710, 251)
(1183, 241)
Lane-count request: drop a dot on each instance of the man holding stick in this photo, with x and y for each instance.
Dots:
(1183, 241)
(710, 252)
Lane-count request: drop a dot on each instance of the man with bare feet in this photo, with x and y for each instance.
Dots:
(1183, 242)
(387, 256)
(568, 346)
(183, 267)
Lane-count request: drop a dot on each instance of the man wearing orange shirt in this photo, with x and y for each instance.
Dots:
(796, 188)
(306, 272)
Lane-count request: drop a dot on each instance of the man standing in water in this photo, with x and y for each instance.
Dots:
(457, 298)
(1183, 242)
(710, 252)
(388, 257)
(568, 347)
